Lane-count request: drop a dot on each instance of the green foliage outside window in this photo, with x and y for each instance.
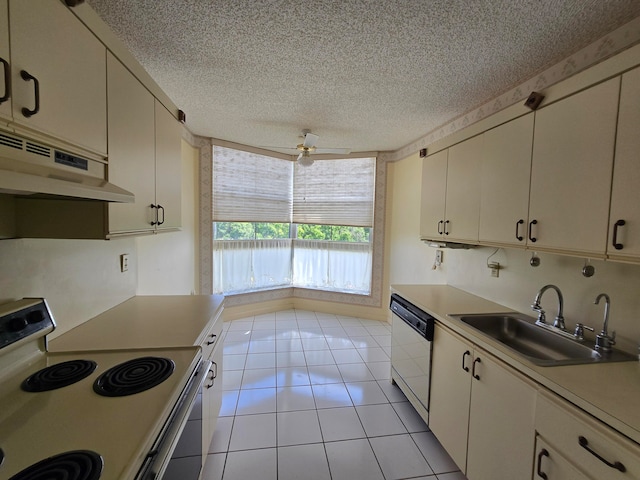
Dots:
(250, 231)
(262, 231)
(334, 233)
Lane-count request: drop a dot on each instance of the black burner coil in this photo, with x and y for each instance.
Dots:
(59, 375)
(133, 376)
(74, 465)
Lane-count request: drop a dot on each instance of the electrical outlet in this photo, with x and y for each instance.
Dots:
(124, 262)
(438, 257)
(495, 269)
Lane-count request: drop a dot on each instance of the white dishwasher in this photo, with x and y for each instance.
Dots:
(411, 337)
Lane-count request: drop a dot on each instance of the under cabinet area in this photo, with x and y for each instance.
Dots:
(481, 410)
(578, 443)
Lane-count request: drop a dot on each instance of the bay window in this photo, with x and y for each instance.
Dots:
(279, 224)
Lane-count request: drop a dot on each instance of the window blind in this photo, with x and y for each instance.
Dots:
(335, 192)
(248, 187)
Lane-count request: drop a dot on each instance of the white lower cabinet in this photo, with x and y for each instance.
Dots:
(551, 465)
(212, 391)
(481, 410)
(587, 445)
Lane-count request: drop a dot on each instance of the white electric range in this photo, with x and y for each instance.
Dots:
(88, 415)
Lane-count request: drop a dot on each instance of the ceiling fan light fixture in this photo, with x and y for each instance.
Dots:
(305, 159)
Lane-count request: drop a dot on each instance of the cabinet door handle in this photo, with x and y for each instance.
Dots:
(446, 229)
(616, 245)
(518, 236)
(26, 76)
(541, 474)
(160, 207)
(584, 443)
(531, 224)
(7, 80)
(464, 356)
(213, 376)
(473, 372)
(213, 339)
(440, 231)
(155, 222)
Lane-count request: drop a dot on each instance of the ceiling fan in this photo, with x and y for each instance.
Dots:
(308, 146)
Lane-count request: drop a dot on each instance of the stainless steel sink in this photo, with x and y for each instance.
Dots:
(542, 347)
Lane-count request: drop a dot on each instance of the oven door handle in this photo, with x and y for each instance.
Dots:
(160, 454)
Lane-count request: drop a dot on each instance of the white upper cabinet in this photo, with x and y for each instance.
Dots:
(571, 172)
(58, 75)
(144, 156)
(450, 199)
(434, 189)
(624, 221)
(131, 149)
(168, 169)
(505, 178)
(462, 209)
(5, 65)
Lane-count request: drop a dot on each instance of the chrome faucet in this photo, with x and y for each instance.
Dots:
(559, 320)
(604, 341)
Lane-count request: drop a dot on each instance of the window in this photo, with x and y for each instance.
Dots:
(325, 242)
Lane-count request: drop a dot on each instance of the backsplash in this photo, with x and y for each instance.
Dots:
(79, 278)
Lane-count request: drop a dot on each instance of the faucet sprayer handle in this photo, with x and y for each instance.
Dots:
(579, 331)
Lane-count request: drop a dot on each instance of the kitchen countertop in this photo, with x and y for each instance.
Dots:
(145, 322)
(608, 391)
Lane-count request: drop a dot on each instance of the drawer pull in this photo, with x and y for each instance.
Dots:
(213, 339)
(464, 356)
(541, 474)
(584, 443)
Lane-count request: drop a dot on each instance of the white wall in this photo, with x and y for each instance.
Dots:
(79, 278)
(410, 260)
(518, 283)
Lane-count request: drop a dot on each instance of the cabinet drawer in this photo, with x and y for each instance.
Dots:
(565, 427)
(211, 340)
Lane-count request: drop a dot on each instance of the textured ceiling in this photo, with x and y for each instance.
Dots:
(365, 74)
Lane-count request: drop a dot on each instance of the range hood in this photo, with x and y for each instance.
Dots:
(31, 168)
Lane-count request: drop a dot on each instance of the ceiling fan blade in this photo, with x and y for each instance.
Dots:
(310, 140)
(337, 151)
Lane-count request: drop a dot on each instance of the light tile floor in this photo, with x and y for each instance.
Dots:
(308, 396)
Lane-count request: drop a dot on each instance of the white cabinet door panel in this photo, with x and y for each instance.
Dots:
(625, 194)
(505, 178)
(571, 171)
(434, 189)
